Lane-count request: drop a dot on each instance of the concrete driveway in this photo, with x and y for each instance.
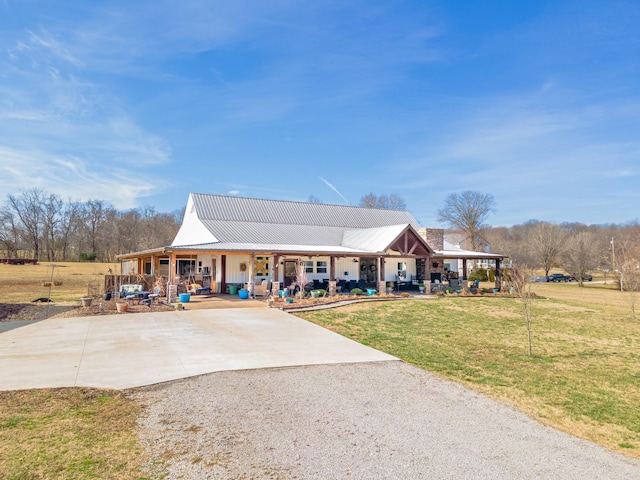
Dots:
(123, 351)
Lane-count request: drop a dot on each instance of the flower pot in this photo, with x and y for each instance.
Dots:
(185, 297)
(86, 301)
(233, 289)
(122, 307)
(244, 294)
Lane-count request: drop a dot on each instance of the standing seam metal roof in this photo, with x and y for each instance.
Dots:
(254, 210)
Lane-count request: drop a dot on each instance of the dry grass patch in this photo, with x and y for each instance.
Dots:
(68, 433)
(24, 283)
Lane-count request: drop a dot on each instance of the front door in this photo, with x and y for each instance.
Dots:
(369, 271)
(289, 272)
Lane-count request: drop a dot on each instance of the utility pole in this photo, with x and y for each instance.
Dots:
(613, 256)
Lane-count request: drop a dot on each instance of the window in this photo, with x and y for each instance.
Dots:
(321, 267)
(163, 269)
(308, 266)
(186, 267)
(402, 271)
(147, 268)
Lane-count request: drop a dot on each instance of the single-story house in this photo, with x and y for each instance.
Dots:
(228, 240)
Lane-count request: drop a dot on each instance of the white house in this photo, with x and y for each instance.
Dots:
(228, 240)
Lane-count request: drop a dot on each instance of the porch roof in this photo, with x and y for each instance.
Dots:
(467, 254)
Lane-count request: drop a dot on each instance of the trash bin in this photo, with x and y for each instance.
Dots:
(233, 289)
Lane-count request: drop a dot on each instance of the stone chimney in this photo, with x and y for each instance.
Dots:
(433, 236)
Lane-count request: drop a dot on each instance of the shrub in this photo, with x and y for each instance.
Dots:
(478, 274)
(88, 257)
(356, 291)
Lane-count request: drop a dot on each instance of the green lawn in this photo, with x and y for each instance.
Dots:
(583, 377)
(63, 433)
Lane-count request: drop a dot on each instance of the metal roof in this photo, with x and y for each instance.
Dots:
(256, 210)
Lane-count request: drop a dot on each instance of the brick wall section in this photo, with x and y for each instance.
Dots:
(433, 236)
(435, 239)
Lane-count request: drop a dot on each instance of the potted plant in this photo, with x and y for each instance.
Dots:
(421, 287)
(86, 301)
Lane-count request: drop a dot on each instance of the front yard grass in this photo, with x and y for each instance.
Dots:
(63, 433)
(582, 378)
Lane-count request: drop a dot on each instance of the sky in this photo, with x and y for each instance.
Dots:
(140, 103)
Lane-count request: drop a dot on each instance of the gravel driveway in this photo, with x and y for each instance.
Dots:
(384, 420)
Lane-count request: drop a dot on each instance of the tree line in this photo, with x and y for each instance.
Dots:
(536, 245)
(41, 225)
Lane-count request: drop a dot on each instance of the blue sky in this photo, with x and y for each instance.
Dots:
(140, 103)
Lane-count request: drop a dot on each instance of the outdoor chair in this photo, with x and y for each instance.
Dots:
(262, 289)
(197, 289)
(152, 297)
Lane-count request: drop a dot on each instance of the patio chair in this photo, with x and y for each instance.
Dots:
(152, 297)
(197, 289)
(262, 289)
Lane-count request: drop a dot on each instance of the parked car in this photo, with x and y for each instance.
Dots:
(558, 277)
(538, 278)
(585, 278)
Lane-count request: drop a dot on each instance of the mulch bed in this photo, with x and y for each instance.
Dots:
(39, 311)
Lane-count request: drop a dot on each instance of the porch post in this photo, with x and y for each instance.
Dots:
(223, 274)
(170, 292)
(464, 269)
(275, 281)
(251, 273)
(498, 274)
(382, 285)
(332, 275)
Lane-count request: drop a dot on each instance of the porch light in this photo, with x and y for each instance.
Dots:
(355, 260)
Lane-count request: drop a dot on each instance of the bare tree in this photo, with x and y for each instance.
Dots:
(519, 279)
(582, 254)
(546, 241)
(313, 199)
(386, 202)
(27, 209)
(51, 219)
(467, 211)
(9, 234)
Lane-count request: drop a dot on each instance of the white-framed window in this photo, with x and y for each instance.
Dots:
(186, 267)
(308, 266)
(163, 269)
(402, 270)
(321, 267)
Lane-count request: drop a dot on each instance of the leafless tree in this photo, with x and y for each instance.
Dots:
(27, 208)
(582, 254)
(467, 211)
(9, 234)
(313, 199)
(51, 219)
(387, 202)
(546, 241)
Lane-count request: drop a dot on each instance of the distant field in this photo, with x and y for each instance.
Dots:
(23, 283)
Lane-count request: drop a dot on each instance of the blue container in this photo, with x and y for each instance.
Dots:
(243, 293)
(371, 291)
(281, 293)
(185, 297)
